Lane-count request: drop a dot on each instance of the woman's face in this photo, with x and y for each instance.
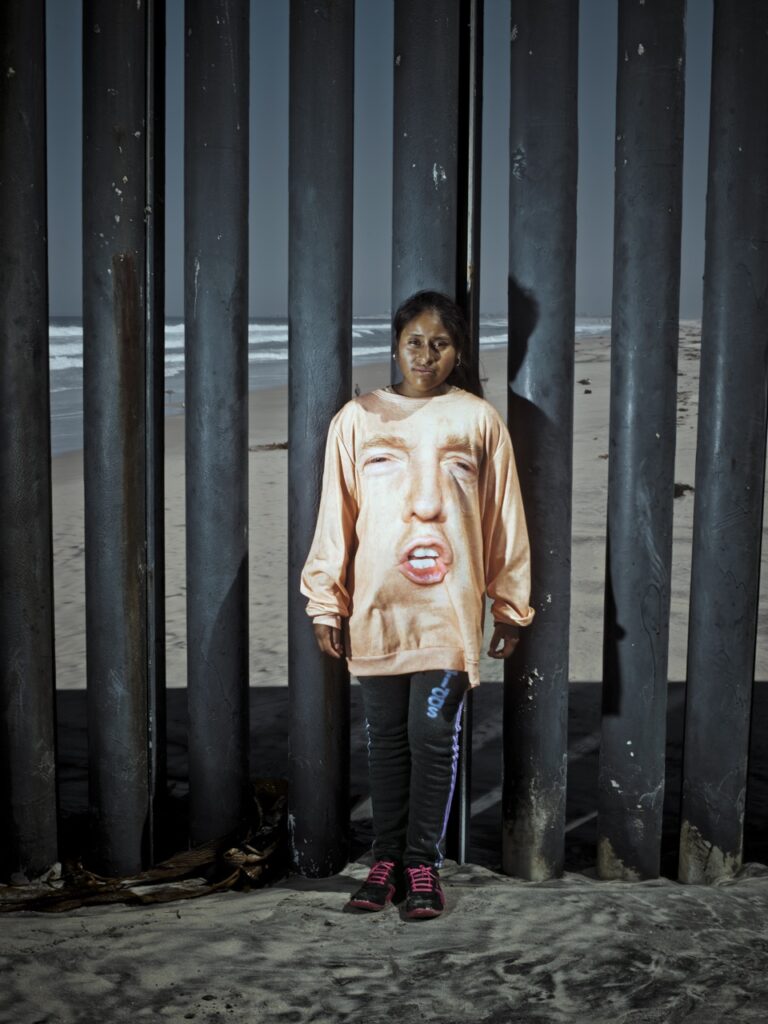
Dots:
(426, 356)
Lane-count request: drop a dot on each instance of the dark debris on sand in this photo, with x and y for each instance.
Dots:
(251, 858)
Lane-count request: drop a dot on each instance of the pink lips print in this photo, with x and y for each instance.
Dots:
(425, 560)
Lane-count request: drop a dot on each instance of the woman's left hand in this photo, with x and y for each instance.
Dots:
(506, 634)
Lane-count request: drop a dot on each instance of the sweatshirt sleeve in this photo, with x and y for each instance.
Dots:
(505, 540)
(323, 578)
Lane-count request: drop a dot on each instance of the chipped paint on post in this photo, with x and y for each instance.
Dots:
(612, 867)
(438, 175)
(518, 164)
(524, 851)
(703, 862)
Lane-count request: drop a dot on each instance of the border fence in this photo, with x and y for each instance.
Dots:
(437, 148)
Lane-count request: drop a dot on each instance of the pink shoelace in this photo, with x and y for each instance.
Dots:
(380, 872)
(421, 878)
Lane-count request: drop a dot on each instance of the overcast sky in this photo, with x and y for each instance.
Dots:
(373, 147)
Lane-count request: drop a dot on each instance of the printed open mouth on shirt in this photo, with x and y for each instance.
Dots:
(425, 560)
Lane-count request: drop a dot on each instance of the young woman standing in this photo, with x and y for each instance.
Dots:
(420, 517)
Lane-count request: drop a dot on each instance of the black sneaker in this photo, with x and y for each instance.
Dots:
(425, 896)
(378, 888)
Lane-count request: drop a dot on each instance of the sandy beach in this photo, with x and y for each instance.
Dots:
(572, 950)
(268, 525)
(567, 951)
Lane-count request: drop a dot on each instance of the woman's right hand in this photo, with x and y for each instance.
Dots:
(329, 640)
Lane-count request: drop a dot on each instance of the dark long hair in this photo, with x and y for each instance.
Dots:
(453, 320)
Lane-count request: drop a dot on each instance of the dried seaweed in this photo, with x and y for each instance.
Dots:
(251, 859)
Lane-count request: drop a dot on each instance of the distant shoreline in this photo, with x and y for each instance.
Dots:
(267, 361)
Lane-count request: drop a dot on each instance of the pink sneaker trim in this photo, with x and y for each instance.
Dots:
(424, 912)
(369, 905)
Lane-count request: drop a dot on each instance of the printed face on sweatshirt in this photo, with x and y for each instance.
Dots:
(421, 484)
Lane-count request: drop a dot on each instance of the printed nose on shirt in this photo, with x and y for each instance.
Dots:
(425, 500)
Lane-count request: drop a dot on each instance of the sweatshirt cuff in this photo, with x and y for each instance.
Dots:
(327, 620)
(515, 619)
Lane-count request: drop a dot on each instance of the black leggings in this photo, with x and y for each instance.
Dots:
(412, 722)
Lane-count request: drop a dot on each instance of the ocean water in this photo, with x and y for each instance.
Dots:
(267, 362)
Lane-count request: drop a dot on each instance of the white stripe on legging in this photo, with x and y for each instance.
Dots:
(454, 772)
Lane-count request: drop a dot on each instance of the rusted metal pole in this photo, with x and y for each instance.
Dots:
(319, 383)
(114, 366)
(644, 333)
(27, 724)
(542, 261)
(730, 456)
(216, 361)
(425, 157)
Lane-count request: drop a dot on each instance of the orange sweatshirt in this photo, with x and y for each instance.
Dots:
(420, 516)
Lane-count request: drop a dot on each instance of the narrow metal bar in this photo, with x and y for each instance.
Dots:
(154, 407)
(425, 156)
(730, 457)
(27, 718)
(216, 365)
(458, 839)
(542, 258)
(469, 167)
(114, 47)
(644, 341)
(319, 383)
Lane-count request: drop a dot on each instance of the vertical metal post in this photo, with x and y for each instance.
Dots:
(216, 319)
(542, 260)
(27, 726)
(460, 819)
(469, 167)
(154, 399)
(435, 225)
(425, 156)
(114, 334)
(644, 331)
(319, 382)
(730, 457)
